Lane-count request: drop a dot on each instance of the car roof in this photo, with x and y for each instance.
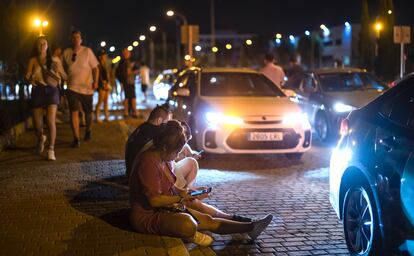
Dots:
(227, 70)
(337, 70)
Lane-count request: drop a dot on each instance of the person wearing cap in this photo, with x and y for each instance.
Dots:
(104, 86)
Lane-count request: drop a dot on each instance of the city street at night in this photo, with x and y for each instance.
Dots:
(77, 205)
(208, 127)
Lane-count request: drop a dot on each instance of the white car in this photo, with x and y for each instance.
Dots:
(239, 111)
(163, 83)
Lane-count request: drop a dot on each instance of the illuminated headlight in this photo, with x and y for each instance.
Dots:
(216, 119)
(340, 107)
(297, 118)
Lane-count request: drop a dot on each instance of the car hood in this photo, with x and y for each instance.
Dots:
(252, 106)
(356, 99)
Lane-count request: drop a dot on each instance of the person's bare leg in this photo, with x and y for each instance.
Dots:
(199, 206)
(172, 224)
(218, 225)
(38, 125)
(134, 106)
(74, 121)
(98, 105)
(126, 107)
(188, 168)
(105, 102)
(51, 122)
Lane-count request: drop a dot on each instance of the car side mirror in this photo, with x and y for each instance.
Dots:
(182, 92)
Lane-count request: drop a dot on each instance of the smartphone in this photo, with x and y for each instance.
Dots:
(199, 192)
(200, 152)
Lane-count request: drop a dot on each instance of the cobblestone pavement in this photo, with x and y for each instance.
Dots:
(78, 205)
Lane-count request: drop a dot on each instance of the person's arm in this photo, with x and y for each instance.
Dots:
(95, 74)
(29, 71)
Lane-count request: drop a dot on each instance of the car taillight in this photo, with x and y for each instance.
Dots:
(344, 129)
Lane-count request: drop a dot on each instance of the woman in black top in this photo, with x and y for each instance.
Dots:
(103, 86)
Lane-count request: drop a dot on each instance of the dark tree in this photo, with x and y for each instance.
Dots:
(365, 44)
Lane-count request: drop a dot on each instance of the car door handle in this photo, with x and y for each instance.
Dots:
(388, 143)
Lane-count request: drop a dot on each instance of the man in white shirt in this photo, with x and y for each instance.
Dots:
(82, 69)
(145, 80)
(273, 72)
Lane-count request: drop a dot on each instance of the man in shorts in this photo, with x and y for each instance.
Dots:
(144, 72)
(82, 69)
(125, 73)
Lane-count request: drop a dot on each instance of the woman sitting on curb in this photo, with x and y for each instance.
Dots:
(158, 207)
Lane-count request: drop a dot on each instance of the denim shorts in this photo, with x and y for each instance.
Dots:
(44, 95)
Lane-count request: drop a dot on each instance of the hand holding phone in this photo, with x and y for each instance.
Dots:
(200, 192)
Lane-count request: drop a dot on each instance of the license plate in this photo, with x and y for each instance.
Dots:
(265, 136)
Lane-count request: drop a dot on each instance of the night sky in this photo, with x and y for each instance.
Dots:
(120, 22)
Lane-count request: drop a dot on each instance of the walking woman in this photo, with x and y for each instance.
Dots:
(104, 86)
(158, 207)
(44, 72)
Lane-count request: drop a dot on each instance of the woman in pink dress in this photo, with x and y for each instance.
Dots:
(158, 207)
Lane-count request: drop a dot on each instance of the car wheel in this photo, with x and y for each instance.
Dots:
(294, 156)
(361, 222)
(321, 127)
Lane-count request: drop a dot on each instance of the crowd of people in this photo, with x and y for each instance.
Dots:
(162, 170)
(84, 73)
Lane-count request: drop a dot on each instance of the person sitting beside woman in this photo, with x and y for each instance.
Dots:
(159, 207)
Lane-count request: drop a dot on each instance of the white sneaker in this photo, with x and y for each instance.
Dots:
(41, 144)
(201, 239)
(259, 226)
(51, 155)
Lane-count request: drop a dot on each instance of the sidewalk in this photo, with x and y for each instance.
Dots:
(77, 205)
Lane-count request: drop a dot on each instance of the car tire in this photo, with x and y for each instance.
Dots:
(294, 156)
(322, 127)
(361, 222)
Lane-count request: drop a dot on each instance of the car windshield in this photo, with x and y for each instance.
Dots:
(350, 81)
(227, 84)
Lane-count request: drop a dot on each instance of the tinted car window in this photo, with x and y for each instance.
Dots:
(350, 81)
(400, 108)
(238, 84)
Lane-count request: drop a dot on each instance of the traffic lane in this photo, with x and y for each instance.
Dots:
(296, 193)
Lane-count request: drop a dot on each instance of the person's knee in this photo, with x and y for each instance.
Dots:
(193, 163)
(187, 227)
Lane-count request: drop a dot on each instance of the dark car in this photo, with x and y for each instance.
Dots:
(328, 95)
(372, 174)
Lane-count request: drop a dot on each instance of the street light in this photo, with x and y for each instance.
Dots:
(228, 46)
(135, 43)
(378, 27)
(130, 48)
(249, 42)
(40, 24)
(103, 44)
(197, 48)
(112, 48)
(279, 36)
(153, 28)
(214, 49)
(142, 37)
(171, 13)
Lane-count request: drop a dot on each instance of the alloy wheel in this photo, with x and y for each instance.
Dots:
(359, 221)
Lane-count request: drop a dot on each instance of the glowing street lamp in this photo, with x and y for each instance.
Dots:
(228, 46)
(389, 12)
(378, 27)
(40, 24)
(142, 37)
(307, 33)
(135, 43)
(130, 48)
(279, 36)
(214, 49)
(249, 42)
(170, 13)
(153, 28)
(112, 48)
(187, 57)
(103, 44)
(197, 48)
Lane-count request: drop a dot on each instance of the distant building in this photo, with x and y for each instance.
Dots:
(340, 45)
